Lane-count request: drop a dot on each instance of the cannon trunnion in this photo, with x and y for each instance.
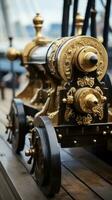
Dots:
(65, 103)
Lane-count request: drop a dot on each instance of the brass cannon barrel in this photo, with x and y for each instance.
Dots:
(85, 53)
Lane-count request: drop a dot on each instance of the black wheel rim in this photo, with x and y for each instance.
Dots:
(49, 176)
(18, 119)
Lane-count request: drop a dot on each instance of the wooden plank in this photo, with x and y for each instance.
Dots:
(62, 195)
(21, 179)
(92, 162)
(7, 190)
(76, 188)
(89, 178)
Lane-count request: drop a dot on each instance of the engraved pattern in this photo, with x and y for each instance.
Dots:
(84, 120)
(102, 65)
(85, 81)
(51, 58)
(98, 110)
(78, 43)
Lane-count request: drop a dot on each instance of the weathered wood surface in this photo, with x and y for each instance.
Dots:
(84, 176)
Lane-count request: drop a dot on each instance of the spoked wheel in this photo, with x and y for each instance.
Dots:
(47, 157)
(18, 125)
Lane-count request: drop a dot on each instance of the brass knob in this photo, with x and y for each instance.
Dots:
(13, 54)
(91, 58)
(91, 100)
(86, 99)
(88, 59)
(38, 24)
(79, 24)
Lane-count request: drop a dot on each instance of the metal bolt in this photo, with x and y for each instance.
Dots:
(104, 132)
(64, 100)
(60, 136)
(111, 132)
(94, 140)
(75, 141)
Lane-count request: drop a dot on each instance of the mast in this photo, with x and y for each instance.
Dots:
(65, 18)
(106, 23)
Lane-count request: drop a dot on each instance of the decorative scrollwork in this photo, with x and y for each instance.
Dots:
(98, 110)
(84, 120)
(85, 81)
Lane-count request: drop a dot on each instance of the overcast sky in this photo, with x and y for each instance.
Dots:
(51, 10)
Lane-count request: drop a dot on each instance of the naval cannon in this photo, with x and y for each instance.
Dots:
(64, 104)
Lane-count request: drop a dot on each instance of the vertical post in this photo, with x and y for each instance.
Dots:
(75, 7)
(106, 24)
(87, 16)
(93, 20)
(65, 18)
(12, 69)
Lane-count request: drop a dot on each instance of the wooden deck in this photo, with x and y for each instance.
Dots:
(84, 176)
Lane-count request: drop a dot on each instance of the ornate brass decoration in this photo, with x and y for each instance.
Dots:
(85, 100)
(85, 81)
(70, 96)
(68, 113)
(84, 120)
(98, 110)
(52, 57)
(89, 100)
(90, 50)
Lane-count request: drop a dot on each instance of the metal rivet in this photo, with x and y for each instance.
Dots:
(64, 100)
(104, 132)
(60, 136)
(75, 141)
(111, 132)
(94, 140)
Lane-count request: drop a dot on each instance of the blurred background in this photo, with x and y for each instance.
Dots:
(16, 28)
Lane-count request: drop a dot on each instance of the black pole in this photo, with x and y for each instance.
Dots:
(106, 24)
(75, 7)
(65, 18)
(93, 20)
(12, 69)
(87, 16)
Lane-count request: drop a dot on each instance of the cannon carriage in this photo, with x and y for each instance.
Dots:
(64, 104)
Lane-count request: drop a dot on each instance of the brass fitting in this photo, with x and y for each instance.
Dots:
(87, 59)
(30, 152)
(79, 24)
(86, 99)
(13, 54)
